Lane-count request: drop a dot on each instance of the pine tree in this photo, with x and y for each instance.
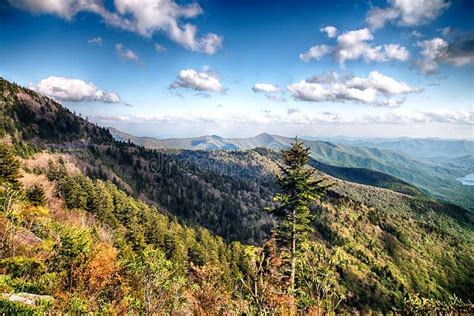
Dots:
(9, 166)
(299, 191)
(36, 195)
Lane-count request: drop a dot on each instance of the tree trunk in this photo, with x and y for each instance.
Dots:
(293, 253)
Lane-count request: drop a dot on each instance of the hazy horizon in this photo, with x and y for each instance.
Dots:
(147, 133)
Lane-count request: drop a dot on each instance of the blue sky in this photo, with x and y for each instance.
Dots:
(169, 68)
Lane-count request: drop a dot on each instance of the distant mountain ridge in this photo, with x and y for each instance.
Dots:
(437, 177)
(415, 147)
(206, 142)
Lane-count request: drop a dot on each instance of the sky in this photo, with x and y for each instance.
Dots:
(165, 68)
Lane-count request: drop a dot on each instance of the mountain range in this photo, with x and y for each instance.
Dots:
(428, 170)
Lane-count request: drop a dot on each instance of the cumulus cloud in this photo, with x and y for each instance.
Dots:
(407, 12)
(316, 52)
(208, 44)
(142, 17)
(354, 45)
(315, 92)
(330, 31)
(64, 9)
(269, 91)
(265, 88)
(435, 51)
(95, 41)
(292, 111)
(395, 51)
(382, 83)
(74, 90)
(197, 80)
(125, 53)
(335, 88)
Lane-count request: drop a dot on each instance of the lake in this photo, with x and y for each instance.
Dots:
(467, 180)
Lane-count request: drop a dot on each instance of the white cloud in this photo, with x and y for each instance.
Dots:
(437, 51)
(382, 83)
(269, 90)
(125, 53)
(407, 12)
(64, 9)
(295, 117)
(265, 87)
(395, 51)
(341, 88)
(159, 48)
(354, 45)
(164, 15)
(208, 44)
(95, 41)
(316, 92)
(142, 17)
(74, 90)
(196, 80)
(377, 17)
(316, 52)
(330, 31)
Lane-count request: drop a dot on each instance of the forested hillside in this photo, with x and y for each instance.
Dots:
(90, 224)
(436, 176)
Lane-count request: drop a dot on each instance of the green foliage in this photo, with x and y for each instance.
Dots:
(299, 192)
(73, 245)
(318, 278)
(20, 266)
(416, 305)
(163, 288)
(36, 196)
(9, 166)
(15, 308)
(367, 176)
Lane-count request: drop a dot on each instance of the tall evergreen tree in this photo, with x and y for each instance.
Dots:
(298, 191)
(9, 166)
(36, 195)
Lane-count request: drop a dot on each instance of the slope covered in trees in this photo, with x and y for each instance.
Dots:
(376, 247)
(79, 245)
(437, 177)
